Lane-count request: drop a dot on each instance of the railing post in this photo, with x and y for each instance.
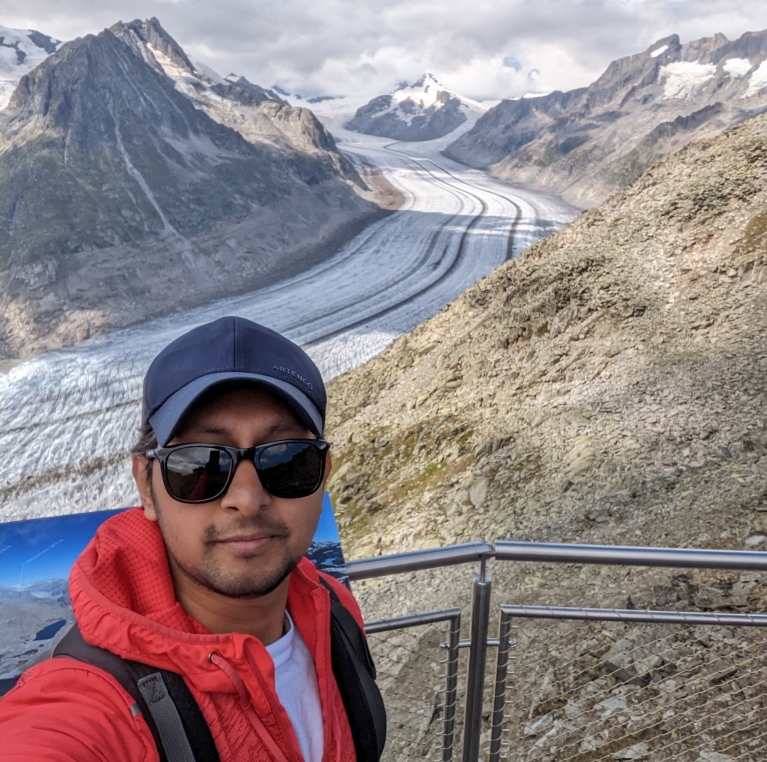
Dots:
(480, 619)
(499, 692)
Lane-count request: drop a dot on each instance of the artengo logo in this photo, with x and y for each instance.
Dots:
(283, 369)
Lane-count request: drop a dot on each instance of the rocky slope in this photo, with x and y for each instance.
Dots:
(424, 110)
(589, 142)
(109, 172)
(609, 387)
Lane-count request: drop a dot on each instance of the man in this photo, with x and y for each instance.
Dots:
(208, 579)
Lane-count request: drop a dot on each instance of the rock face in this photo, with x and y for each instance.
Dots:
(103, 166)
(424, 110)
(607, 387)
(110, 170)
(587, 143)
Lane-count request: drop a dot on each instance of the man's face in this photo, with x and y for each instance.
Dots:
(245, 543)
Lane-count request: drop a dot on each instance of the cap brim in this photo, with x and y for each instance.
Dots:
(167, 417)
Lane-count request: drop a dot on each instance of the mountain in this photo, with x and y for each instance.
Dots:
(585, 144)
(48, 589)
(20, 51)
(424, 110)
(608, 386)
(109, 170)
(257, 113)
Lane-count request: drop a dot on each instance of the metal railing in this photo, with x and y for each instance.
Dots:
(478, 642)
(452, 617)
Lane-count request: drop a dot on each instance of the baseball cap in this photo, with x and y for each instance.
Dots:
(226, 350)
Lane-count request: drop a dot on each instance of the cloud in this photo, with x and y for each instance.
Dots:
(361, 47)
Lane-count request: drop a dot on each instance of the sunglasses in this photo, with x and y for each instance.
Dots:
(199, 473)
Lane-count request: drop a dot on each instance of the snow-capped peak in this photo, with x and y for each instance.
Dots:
(20, 51)
(424, 93)
(425, 110)
(429, 93)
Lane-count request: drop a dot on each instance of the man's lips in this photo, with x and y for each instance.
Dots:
(248, 542)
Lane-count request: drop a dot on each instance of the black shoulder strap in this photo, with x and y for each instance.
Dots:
(170, 711)
(355, 674)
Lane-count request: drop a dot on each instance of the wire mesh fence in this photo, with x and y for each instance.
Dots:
(418, 661)
(612, 690)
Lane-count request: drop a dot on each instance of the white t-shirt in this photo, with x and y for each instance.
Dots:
(296, 683)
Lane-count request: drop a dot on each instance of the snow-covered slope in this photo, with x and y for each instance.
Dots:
(20, 51)
(424, 110)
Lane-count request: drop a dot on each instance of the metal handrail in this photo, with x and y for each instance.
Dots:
(617, 555)
(649, 616)
(502, 550)
(416, 560)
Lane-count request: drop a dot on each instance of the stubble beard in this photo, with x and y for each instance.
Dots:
(210, 574)
(212, 577)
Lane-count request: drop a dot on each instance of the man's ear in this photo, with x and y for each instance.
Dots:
(328, 468)
(142, 475)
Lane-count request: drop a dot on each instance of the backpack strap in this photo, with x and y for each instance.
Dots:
(355, 674)
(170, 711)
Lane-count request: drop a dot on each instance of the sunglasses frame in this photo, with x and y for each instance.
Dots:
(237, 454)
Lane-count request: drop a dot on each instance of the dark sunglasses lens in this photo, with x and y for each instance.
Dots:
(197, 474)
(291, 469)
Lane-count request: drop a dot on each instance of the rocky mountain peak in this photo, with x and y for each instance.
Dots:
(242, 89)
(425, 80)
(90, 85)
(118, 157)
(151, 42)
(664, 45)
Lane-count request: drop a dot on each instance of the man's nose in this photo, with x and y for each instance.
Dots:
(246, 493)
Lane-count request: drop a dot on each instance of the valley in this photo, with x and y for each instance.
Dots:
(72, 413)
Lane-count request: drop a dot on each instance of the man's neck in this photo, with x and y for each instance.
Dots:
(261, 617)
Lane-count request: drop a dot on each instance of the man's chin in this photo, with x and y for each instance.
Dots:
(249, 587)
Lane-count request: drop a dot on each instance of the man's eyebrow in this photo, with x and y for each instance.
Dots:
(206, 430)
(218, 431)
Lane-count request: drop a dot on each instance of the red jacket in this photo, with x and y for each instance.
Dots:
(123, 599)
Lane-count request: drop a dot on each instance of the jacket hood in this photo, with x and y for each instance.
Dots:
(123, 599)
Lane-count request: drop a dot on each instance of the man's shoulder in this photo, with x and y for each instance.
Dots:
(73, 709)
(344, 594)
(68, 675)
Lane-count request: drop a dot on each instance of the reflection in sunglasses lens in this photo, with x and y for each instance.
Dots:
(290, 469)
(197, 473)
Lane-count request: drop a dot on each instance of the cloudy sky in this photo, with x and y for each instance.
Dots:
(484, 49)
